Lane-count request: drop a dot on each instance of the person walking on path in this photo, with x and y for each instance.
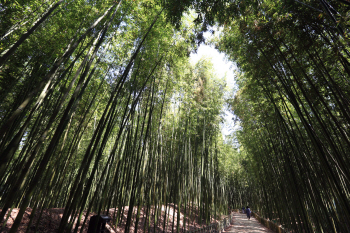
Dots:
(243, 212)
(247, 210)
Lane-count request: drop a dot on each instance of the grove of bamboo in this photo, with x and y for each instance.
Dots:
(101, 109)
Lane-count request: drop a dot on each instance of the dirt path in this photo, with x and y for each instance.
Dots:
(242, 224)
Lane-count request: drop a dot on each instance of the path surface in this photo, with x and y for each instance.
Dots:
(242, 224)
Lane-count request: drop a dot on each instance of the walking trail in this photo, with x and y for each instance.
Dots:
(242, 224)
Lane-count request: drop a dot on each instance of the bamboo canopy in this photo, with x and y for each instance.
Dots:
(102, 112)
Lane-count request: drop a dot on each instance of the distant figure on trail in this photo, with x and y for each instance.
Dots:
(248, 212)
(243, 210)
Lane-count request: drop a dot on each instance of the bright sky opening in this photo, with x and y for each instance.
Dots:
(222, 67)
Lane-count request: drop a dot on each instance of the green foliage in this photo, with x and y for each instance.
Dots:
(105, 111)
(290, 104)
(100, 108)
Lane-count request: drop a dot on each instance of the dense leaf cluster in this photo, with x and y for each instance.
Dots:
(88, 118)
(293, 103)
(100, 108)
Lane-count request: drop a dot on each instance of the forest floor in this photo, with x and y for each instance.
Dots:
(242, 224)
(51, 218)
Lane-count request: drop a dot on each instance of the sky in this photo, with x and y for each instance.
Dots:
(222, 66)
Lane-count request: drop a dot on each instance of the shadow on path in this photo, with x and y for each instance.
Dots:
(242, 224)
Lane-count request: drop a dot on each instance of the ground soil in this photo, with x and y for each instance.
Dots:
(50, 220)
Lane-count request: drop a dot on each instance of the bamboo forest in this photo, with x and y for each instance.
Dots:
(103, 113)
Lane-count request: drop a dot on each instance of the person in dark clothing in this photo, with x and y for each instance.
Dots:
(243, 210)
(247, 210)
